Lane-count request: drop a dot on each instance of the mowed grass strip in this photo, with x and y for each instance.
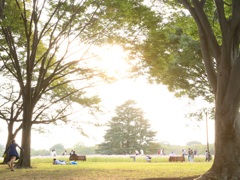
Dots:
(43, 168)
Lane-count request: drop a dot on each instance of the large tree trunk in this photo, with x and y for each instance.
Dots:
(226, 165)
(224, 80)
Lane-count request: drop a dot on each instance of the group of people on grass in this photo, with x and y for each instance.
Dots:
(54, 153)
(12, 155)
(56, 161)
(62, 162)
(190, 154)
(147, 157)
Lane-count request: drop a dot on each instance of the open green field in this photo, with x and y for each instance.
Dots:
(106, 167)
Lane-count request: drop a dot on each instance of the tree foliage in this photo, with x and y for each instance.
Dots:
(39, 78)
(172, 56)
(38, 41)
(128, 131)
(215, 32)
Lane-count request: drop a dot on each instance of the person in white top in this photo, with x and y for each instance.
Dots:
(172, 154)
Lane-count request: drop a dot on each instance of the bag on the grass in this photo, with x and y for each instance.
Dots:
(73, 162)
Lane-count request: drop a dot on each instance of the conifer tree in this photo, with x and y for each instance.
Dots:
(128, 131)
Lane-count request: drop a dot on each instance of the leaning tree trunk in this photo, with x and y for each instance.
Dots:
(6, 158)
(10, 137)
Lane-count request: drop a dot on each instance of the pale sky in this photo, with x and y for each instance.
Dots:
(165, 112)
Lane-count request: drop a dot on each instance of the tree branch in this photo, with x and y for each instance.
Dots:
(204, 40)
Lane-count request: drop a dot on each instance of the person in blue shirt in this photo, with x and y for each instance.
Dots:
(12, 153)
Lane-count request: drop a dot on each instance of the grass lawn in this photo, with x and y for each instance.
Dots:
(105, 168)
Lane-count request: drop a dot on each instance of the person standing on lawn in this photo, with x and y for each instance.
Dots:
(12, 153)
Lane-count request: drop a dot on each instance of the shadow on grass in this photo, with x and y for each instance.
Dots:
(173, 178)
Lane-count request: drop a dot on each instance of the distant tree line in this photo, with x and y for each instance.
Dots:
(90, 150)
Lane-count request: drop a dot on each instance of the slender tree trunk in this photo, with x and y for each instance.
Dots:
(25, 156)
(11, 135)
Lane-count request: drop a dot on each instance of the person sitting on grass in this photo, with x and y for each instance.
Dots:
(55, 161)
(148, 158)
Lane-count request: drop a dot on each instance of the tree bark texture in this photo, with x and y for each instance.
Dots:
(25, 156)
(222, 63)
